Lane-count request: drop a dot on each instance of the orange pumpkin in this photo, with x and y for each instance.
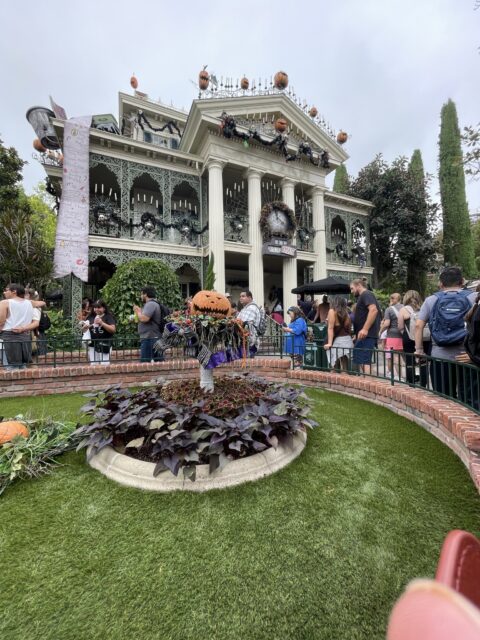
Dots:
(342, 137)
(313, 113)
(280, 80)
(12, 428)
(203, 79)
(38, 146)
(211, 303)
(133, 82)
(244, 83)
(281, 124)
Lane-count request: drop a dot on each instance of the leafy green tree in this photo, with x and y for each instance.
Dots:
(341, 181)
(457, 234)
(44, 217)
(24, 255)
(11, 166)
(210, 275)
(400, 222)
(476, 244)
(122, 291)
(471, 157)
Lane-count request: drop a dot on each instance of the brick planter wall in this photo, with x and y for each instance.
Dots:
(454, 425)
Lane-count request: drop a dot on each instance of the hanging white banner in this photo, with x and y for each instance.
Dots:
(71, 245)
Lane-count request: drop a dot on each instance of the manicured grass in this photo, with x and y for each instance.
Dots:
(320, 550)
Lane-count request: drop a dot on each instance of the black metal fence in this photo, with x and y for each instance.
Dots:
(71, 349)
(459, 381)
(451, 379)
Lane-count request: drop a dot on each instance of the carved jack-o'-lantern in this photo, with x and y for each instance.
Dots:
(313, 112)
(342, 137)
(133, 82)
(211, 303)
(203, 79)
(281, 124)
(280, 80)
(12, 428)
(38, 146)
(244, 83)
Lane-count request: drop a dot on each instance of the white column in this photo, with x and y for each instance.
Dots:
(320, 238)
(255, 260)
(216, 221)
(289, 264)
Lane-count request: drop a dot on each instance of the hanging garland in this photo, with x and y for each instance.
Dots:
(141, 118)
(229, 129)
(278, 206)
(171, 126)
(104, 215)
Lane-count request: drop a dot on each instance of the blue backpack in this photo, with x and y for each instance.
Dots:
(447, 324)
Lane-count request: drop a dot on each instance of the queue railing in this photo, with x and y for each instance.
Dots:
(452, 379)
(71, 349)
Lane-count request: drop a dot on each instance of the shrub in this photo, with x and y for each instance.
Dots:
(178, 427)
(122, 291)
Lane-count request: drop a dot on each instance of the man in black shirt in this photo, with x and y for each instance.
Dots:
(366, 324)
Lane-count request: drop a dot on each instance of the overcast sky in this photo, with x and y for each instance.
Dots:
(379, 69)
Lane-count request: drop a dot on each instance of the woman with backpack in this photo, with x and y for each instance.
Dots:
(407, 319)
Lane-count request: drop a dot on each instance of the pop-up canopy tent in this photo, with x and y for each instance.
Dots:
(326, 285)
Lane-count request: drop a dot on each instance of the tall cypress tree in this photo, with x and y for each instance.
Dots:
(457, 234)
(341, 181)
(416, 270)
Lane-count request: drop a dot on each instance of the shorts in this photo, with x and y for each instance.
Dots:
(363, 350)
(393, 344)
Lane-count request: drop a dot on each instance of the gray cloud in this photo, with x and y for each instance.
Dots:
(380, 70)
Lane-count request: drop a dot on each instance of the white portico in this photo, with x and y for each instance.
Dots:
(263, 169)
(183, 187)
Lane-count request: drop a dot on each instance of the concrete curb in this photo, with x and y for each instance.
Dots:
(139, 474)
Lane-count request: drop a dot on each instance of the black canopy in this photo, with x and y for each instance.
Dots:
(327, 285)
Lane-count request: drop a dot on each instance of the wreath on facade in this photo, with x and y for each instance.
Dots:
(278, 206)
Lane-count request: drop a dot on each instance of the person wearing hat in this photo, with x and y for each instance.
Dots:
(295, 335)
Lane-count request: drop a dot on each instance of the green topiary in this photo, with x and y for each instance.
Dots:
(122, 291)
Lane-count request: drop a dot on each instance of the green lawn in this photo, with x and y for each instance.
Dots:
(320, 550)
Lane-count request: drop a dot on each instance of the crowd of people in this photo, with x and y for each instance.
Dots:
(446, 326)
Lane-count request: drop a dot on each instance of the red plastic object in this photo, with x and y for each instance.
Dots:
(429, 610)
(459, 564)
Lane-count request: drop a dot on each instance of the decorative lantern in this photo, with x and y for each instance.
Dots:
(280, 80)
(244, 83)
(39, 118)
(342, 137)
(133, 82)
(313, 113)
(203, 79)
(38, 146)
(281, 124)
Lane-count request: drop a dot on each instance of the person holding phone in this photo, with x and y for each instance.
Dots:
(102, 326)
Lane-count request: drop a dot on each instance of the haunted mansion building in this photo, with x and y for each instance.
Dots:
(240, 176)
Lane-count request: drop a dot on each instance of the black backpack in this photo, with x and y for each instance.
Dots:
(472, 339)
(45, 323)
(164, 312)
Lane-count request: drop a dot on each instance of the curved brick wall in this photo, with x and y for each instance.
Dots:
(454, 425)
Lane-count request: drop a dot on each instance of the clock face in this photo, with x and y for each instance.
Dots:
(278, 222)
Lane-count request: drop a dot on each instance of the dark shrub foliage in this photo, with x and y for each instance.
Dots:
(178, 427)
